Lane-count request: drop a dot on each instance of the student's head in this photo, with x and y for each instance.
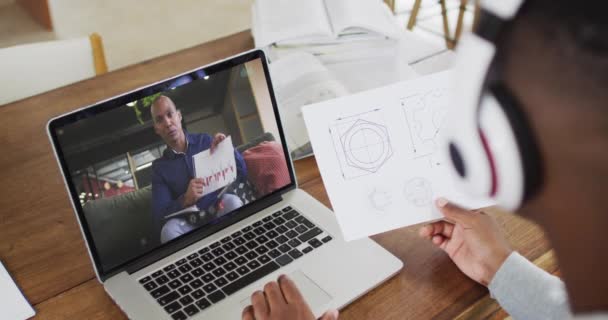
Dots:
(167, 120)
(554, 59)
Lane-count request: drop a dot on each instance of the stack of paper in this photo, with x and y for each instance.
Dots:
(301, 79)
(324, 49)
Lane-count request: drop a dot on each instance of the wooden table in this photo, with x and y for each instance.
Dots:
(41, 245)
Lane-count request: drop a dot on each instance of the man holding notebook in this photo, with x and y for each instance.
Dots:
(553, 57)
(174, 186)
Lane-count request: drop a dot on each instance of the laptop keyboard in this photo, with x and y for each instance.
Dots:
(195, 282)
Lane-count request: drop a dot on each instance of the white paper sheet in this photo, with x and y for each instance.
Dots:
(12, 302)
(377, 154)
(218, 169)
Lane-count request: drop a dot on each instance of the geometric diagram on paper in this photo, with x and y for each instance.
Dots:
(366, 145)
(362, 143)
(424, 114)
(380, 199)
(434, 160)
(418, 192)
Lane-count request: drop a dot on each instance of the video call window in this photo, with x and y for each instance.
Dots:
(129, 179)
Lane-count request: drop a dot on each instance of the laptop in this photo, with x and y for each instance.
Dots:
(162, 253)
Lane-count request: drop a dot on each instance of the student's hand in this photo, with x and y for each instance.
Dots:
(472, 239)
(219, 137)
(194, 192)
(280, 301)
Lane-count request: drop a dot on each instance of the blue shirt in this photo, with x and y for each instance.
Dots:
(172, 173)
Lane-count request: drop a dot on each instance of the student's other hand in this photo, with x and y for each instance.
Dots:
(280, 301)
(472, 239)
(219, 137)
(194, 192)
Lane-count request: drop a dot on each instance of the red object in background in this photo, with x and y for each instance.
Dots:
(266, 167)
(91, 185)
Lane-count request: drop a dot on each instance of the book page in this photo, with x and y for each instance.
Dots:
(378, 154)
(218, 169)
(348, 17)
(279, 20)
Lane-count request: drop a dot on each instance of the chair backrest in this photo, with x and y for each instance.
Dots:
(34, 68)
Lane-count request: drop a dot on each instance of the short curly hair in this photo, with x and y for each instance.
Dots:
(576, 30)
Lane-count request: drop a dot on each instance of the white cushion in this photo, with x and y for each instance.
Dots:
(34, 68)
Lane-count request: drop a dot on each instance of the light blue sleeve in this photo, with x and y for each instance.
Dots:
(526, 291)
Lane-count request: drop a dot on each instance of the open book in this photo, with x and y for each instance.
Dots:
(287, 22)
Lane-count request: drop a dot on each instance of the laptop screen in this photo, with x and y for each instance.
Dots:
(147, 168)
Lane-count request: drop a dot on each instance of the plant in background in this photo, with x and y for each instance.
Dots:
(141, 105)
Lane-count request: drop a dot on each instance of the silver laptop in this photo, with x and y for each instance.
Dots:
(164, 250)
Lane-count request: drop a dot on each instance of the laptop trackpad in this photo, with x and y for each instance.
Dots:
(313, 294)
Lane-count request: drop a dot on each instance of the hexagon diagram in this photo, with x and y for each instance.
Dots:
(366, 145)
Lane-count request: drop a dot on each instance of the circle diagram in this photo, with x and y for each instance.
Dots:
(418, 191)
(366, 145)
(380, 199)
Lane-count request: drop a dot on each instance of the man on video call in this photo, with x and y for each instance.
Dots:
(173, 184)
(553, 57)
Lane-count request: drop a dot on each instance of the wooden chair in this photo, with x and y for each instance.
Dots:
(34, 68)
(391, 4)
(449, 41)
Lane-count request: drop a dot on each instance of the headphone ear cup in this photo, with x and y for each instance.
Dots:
(461, 148)
(511, 146)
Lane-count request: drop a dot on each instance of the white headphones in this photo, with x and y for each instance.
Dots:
(487, 138)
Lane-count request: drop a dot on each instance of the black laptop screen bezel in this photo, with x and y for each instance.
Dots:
(198, 234)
